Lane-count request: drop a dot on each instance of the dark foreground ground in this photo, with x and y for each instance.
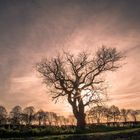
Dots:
(127, 134)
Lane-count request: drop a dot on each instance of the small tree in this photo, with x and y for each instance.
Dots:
(134, 114)
(77, 77)
(29, 114)
(15, 115)
(97, 113)
(114, 112)
(72, 120)
(107, 114)
(62, 120)
(124, 113)
(3, 115)
(52, 118)
(40, 117)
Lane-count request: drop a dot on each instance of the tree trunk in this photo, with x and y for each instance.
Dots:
(81, 121)
(39, 122)
(44, 122)
(125, 119)
(107, 119)
(78, 110)
(114, 117)
(80, 116)
(98, 121)
(135, 119)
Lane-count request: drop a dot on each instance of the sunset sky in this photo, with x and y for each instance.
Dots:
(33, 29)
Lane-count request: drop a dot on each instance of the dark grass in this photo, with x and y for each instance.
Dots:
(128, 134)
(70, 133)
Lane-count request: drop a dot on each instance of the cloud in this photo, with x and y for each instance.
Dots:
(34, 29)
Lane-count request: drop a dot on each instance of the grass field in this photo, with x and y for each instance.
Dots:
(127, 134)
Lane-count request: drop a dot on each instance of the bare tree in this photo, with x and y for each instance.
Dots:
(107, 113)
(78, 77)
(134, 114)
(52, 118)
(45, 117)
(124, 113)
(72, 120)
(29, 114)
(3, 115)
(88, 117)
(63, 120)
(115, 112)
(15, 115)
(40, 116)
(97, 113)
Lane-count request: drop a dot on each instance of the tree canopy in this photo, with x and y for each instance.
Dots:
(77, 77)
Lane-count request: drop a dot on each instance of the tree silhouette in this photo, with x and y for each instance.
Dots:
(26, 117)
(3, 115)
(71, 119)
(107, 113)
(29, 114)
(134, 114)
(77, 77)
(114, 112)
(62, 120)
(15, 115)
(97, 113)
(124, 113)
(45, 117)
(52, 118)
(40, 117)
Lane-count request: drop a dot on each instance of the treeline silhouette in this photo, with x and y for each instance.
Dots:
(27, 122)
(112, 116)
(96, 115)
(28, 116)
